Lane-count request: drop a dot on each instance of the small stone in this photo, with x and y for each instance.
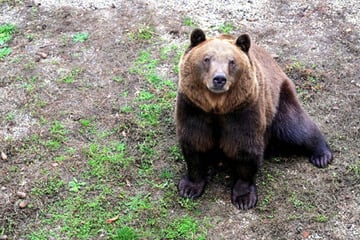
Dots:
(23, 204)
(3, 156)
(42, 55)
(3, 237)
(21, 195)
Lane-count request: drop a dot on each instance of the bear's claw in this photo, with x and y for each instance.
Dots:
(191, 189)
(244, 195)
(321, 159)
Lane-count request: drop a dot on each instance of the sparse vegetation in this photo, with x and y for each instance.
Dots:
(6, 33)
(226, 28)
(80, 37)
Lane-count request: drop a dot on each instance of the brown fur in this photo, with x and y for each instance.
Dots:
(234, 102)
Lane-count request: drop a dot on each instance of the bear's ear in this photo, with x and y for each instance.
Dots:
(243, 41)
(197, 36)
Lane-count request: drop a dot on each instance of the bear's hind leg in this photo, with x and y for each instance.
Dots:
(293, 127)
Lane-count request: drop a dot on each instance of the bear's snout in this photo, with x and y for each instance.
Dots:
(219, 81)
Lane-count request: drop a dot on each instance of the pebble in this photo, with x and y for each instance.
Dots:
(21, 195)
(23, 204)
(3, 237)
(42, 55)
(3, 156)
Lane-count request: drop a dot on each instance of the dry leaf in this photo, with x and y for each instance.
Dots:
(111, 220)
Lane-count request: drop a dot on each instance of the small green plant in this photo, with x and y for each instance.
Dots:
(80, 37)
(6, 32)
(226, 28)
(188, 204)
(85, 122)
(4, 52)
(75, 185)
(321, 218)
(118, 79)
(189, 22)
(50, 186)
(71, 76)
(126, 109)
(295, 200)
(126, 233)
(182, 228)
(103, 158)
(10, 116)
(58, 136)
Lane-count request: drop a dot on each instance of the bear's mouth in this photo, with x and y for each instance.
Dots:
(217, 90)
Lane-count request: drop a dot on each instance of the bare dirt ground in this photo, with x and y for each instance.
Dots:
(48, 79)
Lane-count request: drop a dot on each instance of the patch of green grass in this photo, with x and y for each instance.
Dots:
(183, 228)
(189, 22)
(57, 136)
(144, 33)
(103, 159)
(118, 79)
(126, 109)
(75, 185)
(226, 28)
(80, 37)
(126, 233)
(85, 122)
(10, 116)
(48, 186)
(296, 202)
(6, 34)
(321, 218)
(71, 76)
(6, 31)
(4, 52)
(188, 204)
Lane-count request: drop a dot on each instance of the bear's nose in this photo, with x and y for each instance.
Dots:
(219, 80)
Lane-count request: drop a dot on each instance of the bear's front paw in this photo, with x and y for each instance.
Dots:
(322, 158)
(244, 195)
(191, 189)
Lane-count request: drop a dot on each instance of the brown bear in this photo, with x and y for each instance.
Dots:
(235, 104)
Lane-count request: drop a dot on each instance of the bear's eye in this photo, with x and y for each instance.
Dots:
(206, 59)
(231, 63)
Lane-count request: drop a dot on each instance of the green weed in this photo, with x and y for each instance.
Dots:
(146, 33)
(4, 51)
(71, 76)
(10, 116)
(50, 186)
(189, 22)
(75, 185)
(126, 233)
(183, 228)
(321, 218)
(6, 33)
(80, 37)
(188, 204)
(226, 28)
(103, 158)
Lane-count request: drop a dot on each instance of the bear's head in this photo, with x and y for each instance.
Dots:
(217, 74)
